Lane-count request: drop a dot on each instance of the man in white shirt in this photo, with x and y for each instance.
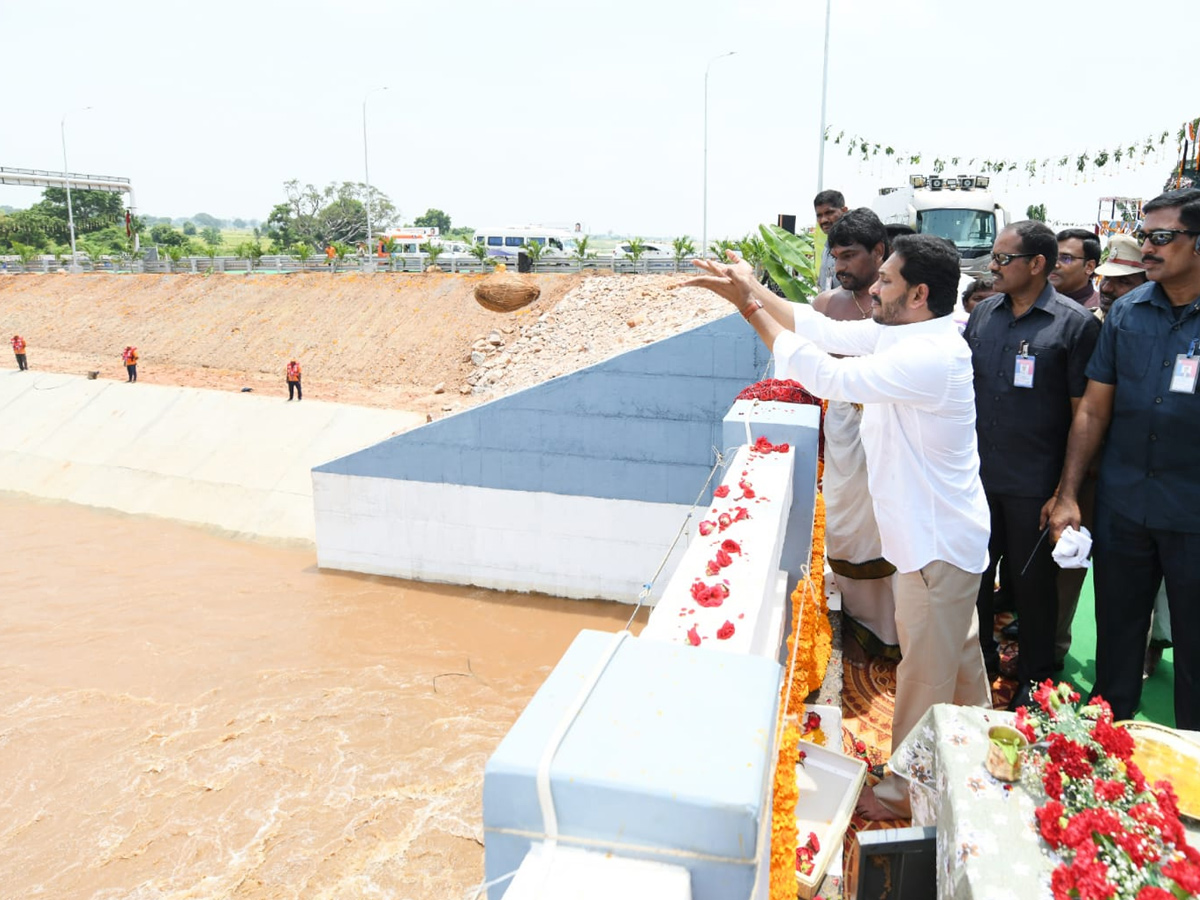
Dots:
(911, 370)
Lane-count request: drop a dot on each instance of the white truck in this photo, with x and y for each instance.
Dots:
(960, 209)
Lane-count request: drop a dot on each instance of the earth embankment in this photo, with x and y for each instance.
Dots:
(416, 342)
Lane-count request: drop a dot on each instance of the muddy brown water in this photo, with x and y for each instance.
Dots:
(183, 715)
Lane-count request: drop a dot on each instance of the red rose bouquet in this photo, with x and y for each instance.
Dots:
(1116, 836)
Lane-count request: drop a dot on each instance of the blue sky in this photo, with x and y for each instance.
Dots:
(536, 111)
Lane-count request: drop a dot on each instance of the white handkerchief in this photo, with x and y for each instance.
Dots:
(1072, 549)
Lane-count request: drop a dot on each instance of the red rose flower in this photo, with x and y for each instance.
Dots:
(739, 513)
(723, 558)
(724, 520)
(712, 568)
(725, 632)
(706, 528)
(722, 491)
(1149, 892)
(693, 636)
(729, 545)
(1050, 822)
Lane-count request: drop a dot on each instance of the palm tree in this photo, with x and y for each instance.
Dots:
(581, 251)
(718, 248)
(754, 251)
(479, 251)
(637, 249)
(174, 254)
(533, 250)
(683, 247)
(434, 251)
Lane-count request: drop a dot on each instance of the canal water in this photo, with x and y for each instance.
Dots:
(183, 715)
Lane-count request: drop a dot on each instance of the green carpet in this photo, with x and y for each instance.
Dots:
(1158, 691)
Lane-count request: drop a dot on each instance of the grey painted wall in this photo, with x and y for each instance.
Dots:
(640, 426)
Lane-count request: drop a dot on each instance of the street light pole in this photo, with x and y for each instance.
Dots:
(367, 170)
(704, 233)
(824, 93)
(62, 128)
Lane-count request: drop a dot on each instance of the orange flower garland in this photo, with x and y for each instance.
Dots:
(782, 881)
(811, 628)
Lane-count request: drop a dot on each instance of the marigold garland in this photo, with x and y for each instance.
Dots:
(784, 837)
(811, 628)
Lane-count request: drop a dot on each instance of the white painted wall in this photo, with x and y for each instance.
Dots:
(238, 462)
(567, 546)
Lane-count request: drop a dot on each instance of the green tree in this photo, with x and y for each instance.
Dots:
(718, 248)
(189, 229)
(167, 236)
(320, 217)
(211, 236)
(534, 251)
(25, 252)
(303, 251)
(91, 210)
(175, 253)
(682, 247)
(204, 220)
(790, 261)
(582, 252)
(434, 218)
(251, 251)
(479, 251)
(754, 251)
(239, 223)
(637, 249)
(1037, 213)
(434, 251)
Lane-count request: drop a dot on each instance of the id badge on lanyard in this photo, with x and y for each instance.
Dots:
(1024, 366)
(1187, 367)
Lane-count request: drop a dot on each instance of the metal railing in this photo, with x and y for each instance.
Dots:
(277, 265)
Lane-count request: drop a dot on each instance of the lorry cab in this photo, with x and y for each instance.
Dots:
(960, 209)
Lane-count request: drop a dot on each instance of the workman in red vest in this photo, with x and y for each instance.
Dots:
(130, 357)
(18, 345)
(293, 381)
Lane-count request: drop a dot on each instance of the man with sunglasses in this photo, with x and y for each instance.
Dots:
(1030, 348)
(1073, 270)
(1141, 402)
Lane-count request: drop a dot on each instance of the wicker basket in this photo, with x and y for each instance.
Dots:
(505, 292)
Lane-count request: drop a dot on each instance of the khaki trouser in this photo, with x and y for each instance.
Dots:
(939, 640)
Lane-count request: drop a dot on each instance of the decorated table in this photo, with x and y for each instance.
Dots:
(990, 843)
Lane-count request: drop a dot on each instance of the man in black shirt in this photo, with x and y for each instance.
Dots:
(1029, 347)
(1142, 381)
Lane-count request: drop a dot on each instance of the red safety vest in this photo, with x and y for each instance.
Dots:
(18, 343)
(293, 372)
(130, 356)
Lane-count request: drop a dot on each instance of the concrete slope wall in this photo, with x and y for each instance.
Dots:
(238, 462)
(576, 487)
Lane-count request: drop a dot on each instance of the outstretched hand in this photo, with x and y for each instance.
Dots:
(734, 280)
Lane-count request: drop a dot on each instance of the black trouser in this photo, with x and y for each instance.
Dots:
(1130, 560)
(132, 370)
(1015, 534)
(294, 388)
(21, 364)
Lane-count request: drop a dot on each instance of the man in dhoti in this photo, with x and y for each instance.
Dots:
(858, 244)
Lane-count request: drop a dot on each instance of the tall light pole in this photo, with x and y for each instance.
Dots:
(62, 128)
(704, 233)
(824, 92)
(367, 170)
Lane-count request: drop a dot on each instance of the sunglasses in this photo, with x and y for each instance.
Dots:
(1067, 259)
(1003, 259)
(1160, 237)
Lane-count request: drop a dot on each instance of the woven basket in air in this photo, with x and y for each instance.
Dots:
(505, 292)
